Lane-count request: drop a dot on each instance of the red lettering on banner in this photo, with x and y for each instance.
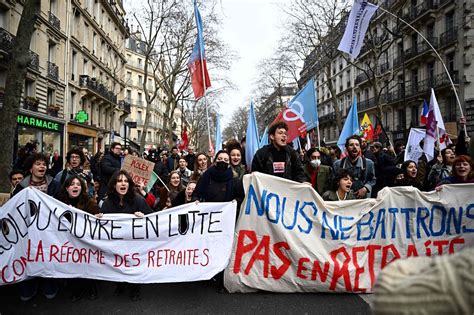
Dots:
(323, 274)
(385, 250)
(440, 245)
(277, 273)
(243, 248)
(301, 268)
(453, 242)
(358, 269)
(341, 271)
(412, 251)
(372, 249)
(264, 257)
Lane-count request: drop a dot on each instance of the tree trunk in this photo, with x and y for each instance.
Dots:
(18, 61)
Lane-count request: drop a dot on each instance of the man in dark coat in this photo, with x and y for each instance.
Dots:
(277, 158)
(109, 165)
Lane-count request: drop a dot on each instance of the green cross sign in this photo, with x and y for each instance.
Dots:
(81, 116)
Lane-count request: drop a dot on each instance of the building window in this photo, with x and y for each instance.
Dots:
(73, 65)
(51, 52)
(450, 62)
(401, 119)
(94, 42)
(29, 88)
(451, 109)
(85, 67)
(140, 80)
(50, 98)
(430, 73)
(415, 115)
(449, 21)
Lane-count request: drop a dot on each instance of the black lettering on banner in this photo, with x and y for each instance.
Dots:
(194, 218)
(169, 227)
(154, 227)
(212, 222)
(136, 226)
(183, 223)
(112, 228)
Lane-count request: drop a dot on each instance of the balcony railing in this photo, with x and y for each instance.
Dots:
(361, 78)
(54, 21)
(421, 9)
(327, 118)
(53, 71)
(364, 105)
(416, 51)
(98, 88)
(6, 40)
(448, 37)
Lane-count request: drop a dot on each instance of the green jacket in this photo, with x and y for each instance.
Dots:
(323, 180)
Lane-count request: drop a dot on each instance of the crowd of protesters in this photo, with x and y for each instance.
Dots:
(97, 184)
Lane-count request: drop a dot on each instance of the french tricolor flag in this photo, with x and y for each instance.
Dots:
(424, 113)
(197, 61)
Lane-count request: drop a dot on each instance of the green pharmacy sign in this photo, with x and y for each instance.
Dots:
(37, 122)
(81, 116)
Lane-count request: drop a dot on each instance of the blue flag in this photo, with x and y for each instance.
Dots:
(304, 105)
(351, 125)
(252, 141)
(218, 134)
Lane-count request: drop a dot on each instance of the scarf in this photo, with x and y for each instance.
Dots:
(217, 176)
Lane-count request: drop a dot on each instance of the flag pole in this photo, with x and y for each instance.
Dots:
(319, 138)
(203, 82)
(437, 54)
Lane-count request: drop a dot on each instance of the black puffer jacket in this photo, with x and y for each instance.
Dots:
(263, 162)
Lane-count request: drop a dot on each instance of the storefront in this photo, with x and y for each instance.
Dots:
(39, 133)
(82, 136)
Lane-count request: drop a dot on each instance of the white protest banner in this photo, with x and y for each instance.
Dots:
(289, 240)
(413, 150)
(139, 169)
(46, 238)
(356, 27)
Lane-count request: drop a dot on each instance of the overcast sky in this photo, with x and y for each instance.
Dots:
(251, 28)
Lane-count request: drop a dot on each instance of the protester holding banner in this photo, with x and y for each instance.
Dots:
(361, 168)
(185, 196)
(277, 158)
(320, 175)
(122, 198)
(218, 184)
(410, 178)
(341, 189)
(463, 171)
(36, 164)
(74, 193)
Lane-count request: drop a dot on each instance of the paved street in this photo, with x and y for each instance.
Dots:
(187, 298)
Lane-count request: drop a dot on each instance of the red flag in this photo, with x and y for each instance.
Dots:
(296, 126)
(184, 139)
(197, 61)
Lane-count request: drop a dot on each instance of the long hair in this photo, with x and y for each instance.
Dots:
(83, 197)
(112, 192)
(180, 185)
(463, 158)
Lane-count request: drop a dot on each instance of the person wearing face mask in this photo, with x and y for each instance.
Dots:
(217, 183)
(320, 176)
